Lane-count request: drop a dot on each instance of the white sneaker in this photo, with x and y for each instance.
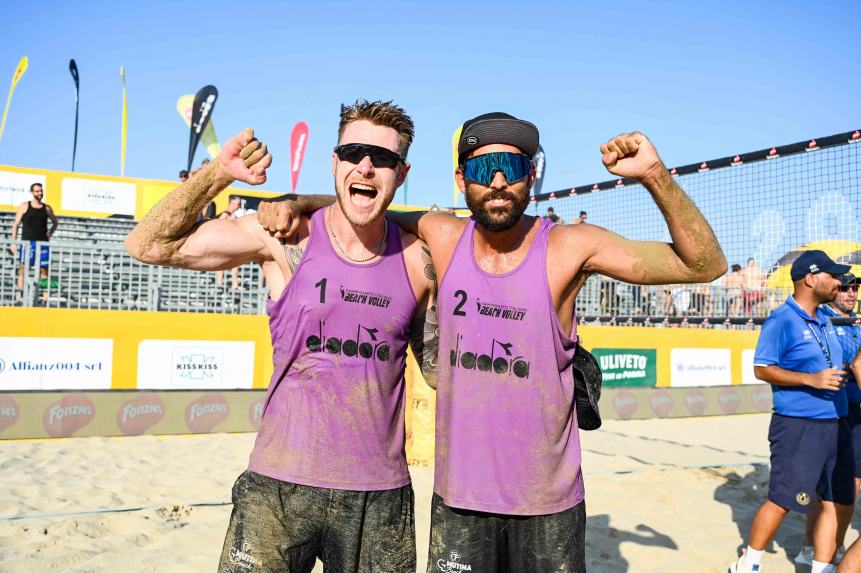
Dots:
(741, 567)
(805, 556)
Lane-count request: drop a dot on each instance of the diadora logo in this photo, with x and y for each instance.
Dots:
(371, 348)
(504, 363)
(452, 564)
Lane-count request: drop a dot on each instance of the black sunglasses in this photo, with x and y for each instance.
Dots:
(380, 156)
(847, 288)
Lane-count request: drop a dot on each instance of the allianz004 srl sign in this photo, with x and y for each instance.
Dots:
(622, 367)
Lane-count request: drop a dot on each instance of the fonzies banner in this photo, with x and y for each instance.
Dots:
(208, 138)
(201, 112)
(298, 143)
(19, 71)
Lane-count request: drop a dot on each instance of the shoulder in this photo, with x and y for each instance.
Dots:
(416, 252)
(23, 206)
(584, 234)
(48, 208)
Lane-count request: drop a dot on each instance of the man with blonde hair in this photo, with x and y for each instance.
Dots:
(328, 477)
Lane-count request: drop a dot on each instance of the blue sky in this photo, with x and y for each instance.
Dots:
(701, 80)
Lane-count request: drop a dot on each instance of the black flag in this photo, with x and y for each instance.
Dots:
(540, 164)
(201, 112)
(73, 68)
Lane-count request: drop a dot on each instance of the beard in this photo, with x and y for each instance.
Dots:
(497, 219)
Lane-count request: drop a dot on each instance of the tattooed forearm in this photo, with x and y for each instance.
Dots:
(424, 334)
(166, 227)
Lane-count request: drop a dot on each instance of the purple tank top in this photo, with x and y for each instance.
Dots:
(334, 412)
(506, 426)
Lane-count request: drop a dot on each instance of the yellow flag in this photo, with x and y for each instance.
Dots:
(125, 127)
(19, 71)
(210, 141)
(454, 141)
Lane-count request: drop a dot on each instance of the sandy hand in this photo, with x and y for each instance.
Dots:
(245, 158)
(280, 219)
(631, 155)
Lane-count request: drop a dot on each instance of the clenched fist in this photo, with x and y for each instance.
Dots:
(280, 219)
(631, 155)
(245, 158)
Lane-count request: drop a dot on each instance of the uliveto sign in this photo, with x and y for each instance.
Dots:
(55, 363)
(626, 366)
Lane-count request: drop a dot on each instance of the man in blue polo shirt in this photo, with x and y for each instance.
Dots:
(850, 339)
(799, 354)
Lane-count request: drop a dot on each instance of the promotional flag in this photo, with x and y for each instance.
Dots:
(540, 164)
(298, 143)
(19, 71)
(201, 112)
(125, 125)
(73, 69)
(208, 139)
(454, 140)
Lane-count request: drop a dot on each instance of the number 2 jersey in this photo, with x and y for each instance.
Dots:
(506, 425)
(334, 413)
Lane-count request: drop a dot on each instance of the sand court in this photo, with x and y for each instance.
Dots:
(662, 495)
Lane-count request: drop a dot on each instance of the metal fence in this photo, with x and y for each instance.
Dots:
(103, 276)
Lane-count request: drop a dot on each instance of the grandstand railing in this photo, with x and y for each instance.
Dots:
(83, 275)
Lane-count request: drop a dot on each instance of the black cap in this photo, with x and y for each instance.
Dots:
(498, 127)
(814, 262)
(587, 389)
(848, 279)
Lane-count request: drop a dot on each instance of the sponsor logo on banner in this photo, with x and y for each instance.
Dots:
(68, 415)
(700, 367)
(625, 403)
(627, 366)
(195, 365)
(203, 414)
(33, 363)
(761, 398)
(696, 402)
(747, 375)
(255, 412)
(729, 400)
(97, 196)
(15, 187)
(139, 414)
(9, 412)
(662, 403)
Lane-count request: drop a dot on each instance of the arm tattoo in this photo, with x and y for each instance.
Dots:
(424, 334)
(294, 254)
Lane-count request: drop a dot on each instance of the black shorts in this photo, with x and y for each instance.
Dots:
(463, 540)
(282, 527)
(810, 457)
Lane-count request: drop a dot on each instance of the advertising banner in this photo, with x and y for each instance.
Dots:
(298, 143)
(73, 69)
(16, 77)
(201, 113)
(15, 187)
(99, 196)
(700, 367)
(627, 366)
(540, 162)
(208, 138)
(55, 363)
(747, 375)
(195, 364)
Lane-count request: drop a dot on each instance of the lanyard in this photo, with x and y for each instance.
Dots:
(826, 349)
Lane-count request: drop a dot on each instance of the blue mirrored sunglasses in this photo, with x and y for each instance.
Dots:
(482, 168)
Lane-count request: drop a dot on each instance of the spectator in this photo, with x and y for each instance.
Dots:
(732, 285)
(580, 218)
(230, 215)
(753, 292)
(183, 175)
(33, 216)
(552, 216)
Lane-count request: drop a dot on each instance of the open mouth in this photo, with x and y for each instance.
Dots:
(362, 195)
